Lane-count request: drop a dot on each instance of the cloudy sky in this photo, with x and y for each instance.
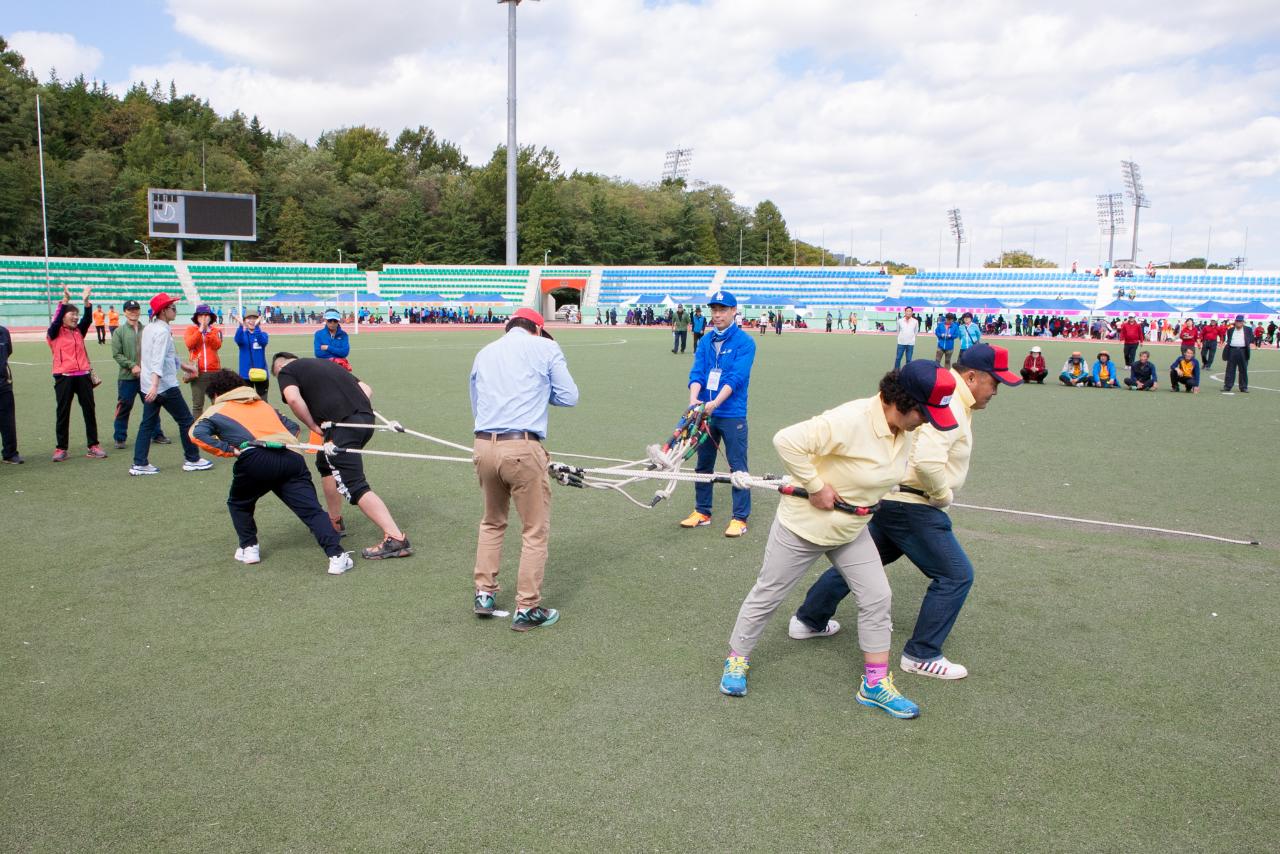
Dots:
(858, 120)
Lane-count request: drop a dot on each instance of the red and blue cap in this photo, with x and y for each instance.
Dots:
(994, 360)
(932, 387)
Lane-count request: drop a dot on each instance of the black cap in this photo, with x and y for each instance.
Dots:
(131, 305)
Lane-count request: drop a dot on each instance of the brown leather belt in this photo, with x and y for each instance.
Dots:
(508, 436)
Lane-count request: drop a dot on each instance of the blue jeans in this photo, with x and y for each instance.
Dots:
(731, 434)
(176, 405)
(127, 391)
(923, 534)
(907, 350)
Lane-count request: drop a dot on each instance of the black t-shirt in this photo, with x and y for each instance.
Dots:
(331, 392)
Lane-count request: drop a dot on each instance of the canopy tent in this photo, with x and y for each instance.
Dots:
(1252, 310)
(1053, 307)
(973, 304)
(352, 296)
(896, 304)
(478, 297)
(1138, 308)
(417, 298)
(294, 298)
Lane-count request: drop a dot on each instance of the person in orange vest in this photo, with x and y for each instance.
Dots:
(203, 340)
(100, 324)
(113, 321)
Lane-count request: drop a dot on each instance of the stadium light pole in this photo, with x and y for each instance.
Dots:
(1132, 175)
(44, 217)
(957, 231)
(146, 250)
(1110, 221)
(511, 129)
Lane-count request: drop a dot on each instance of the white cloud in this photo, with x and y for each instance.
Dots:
(901, 111)
(45, 52)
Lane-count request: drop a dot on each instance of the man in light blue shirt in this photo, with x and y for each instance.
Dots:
(159, 381)
(513, 381)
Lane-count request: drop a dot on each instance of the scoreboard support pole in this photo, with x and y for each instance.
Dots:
(226, 251)
(178, 248)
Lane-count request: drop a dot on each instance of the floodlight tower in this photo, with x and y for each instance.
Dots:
(1133, 189)
(511, 129)
(957, 231)
(1111, 221)
(677, 163)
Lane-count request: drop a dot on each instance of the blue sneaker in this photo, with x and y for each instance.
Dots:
(734, 680)
(887, 697)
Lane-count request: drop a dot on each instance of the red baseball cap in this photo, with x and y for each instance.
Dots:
(534, 318)
(932, 388)
(161, 301)
(991, 359)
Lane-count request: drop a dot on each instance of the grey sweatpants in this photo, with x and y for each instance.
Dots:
(786, 559)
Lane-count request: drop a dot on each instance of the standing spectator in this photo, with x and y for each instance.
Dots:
(1142, 374)
(331, 340)
(1237, 343)
(1130, 337)
(1185, 372)
(1034, 369)
(679, 329)
(323, 394)
(720, 379)
(100, 324)
(968, 334)
(1209, 335)
(513, 381)
(203, 339)
(113, 320)
(251, 339)
(1104, 373)
(908, 327)
(699, 324)
(159, 376)
(72, 375)
(1075, 372)
(238, 416)
(829, 320)
(839, 318)
(1187, 335)
(946, 331)
(126, 342)
(8, 413)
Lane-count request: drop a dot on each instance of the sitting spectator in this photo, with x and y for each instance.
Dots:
(1033, 367)
(331, 340)
(1185, 372)
(1075, 372)
(1104, 372)
(1142, 374)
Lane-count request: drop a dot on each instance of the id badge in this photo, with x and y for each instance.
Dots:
(713, 380)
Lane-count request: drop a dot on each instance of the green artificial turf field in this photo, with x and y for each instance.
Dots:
(158, 696)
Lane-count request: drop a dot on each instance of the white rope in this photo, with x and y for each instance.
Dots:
(1147, 528)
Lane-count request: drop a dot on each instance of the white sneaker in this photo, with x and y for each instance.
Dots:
(798, 630)
(249, 554)
(199, 465)
(138, 471)
(339, 564)
(940, 669)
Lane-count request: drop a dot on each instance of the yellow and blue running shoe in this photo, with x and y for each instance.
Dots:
(884, 696)
(734, 680)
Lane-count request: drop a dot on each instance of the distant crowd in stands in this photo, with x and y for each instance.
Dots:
(413, 314)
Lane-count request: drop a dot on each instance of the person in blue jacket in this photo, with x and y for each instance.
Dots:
(1104, 372)
(699, 324)
(719, 378)
(331, 340)
(946, 332)
(1185, 372)
(252, 341)
(968, 333)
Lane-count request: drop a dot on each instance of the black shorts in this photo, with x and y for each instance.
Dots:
(347, 469)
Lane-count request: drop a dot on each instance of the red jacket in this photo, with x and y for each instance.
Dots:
(204, 348)
(1034, 362)
(1131, 332)
(1209, 333)
(69, 355)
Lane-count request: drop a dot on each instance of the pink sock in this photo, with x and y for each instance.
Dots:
(876, 672)
(733, 653)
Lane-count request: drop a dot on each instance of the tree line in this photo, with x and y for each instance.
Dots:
(353, 193)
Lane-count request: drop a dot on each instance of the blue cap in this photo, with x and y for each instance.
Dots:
(723, 298)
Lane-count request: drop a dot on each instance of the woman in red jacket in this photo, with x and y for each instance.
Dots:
(1033, 367)
(72, 375)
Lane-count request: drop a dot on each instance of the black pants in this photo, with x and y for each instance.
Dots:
(1030, 376)
(347, 470)
(64, 389)
(1237, 360)
(681, 339)
(1140, 386)
(102, 334)
(8, 421)
(1176, 379)
(262, 470)
(261, 387)
(697, 336)
(1130, 354)
(1207, 352)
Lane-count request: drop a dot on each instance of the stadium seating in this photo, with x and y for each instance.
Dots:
(834, 288)
(619, 285)
(1184, 289)
(216, 283)
(1007, 285)
(23, 280)
(452, 282)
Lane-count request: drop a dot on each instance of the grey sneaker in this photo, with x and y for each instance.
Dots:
(138, 471)
(199, 465)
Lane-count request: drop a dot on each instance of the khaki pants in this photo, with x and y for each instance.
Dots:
(786, 559)
(198, 388)
(513, 469)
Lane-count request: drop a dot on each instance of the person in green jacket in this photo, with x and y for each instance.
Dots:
(124, 349)
(680, 326)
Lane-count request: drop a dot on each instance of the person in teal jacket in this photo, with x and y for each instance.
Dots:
(1104, 372)
(331, 341)
(968, 334)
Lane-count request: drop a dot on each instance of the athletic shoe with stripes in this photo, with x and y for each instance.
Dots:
(886, 696)
(939, 668)
(734, 680)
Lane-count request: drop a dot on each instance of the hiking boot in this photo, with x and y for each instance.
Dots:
(388, 548)
(695, 520)
(532, 618)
